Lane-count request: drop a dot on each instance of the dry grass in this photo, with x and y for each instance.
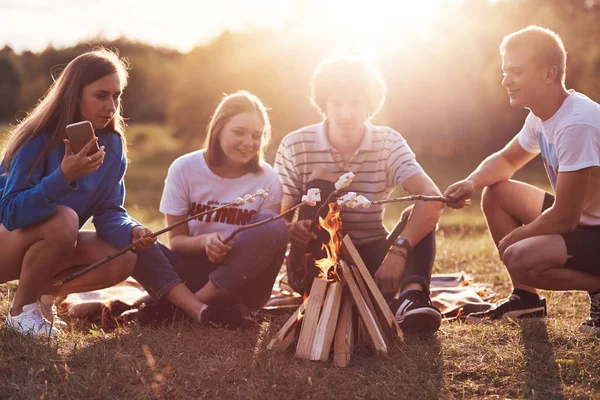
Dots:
(547, 359)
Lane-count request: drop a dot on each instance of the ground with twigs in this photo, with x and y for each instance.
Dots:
(541, 359)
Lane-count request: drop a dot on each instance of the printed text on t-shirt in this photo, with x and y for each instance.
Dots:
(230, 215)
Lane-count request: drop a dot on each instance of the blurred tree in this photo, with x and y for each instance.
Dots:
(445, 94)
(10, 83)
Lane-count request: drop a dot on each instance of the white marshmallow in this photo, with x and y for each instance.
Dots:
(312, 197)
(346, 199)
(344, 180)
(239, 200)
(249, 198)
(262, 193)
(362, 201)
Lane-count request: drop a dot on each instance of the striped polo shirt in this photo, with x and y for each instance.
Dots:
(382, 162)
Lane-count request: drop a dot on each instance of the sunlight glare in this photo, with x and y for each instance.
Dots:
(370, 26)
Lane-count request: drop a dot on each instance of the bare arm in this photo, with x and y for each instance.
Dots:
(498, 167)
(180, 239)
(209, 243)
(425, 215)
(421, 221)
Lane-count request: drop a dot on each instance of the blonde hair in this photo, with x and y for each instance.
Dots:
(545, 45)
(347, 75)
(60, 105)
(230, 106)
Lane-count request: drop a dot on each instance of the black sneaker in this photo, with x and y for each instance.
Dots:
(592, 324)
(512, 307)
(414, 312)
(229, 317)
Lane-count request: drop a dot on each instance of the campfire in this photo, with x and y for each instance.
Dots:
(344, 308)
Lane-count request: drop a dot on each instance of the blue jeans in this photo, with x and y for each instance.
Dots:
(246, 275)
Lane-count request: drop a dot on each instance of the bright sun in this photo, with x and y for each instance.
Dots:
(372, 24)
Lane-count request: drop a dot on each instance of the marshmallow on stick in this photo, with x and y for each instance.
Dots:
(352, 200)
(343, 181)
(310, 198)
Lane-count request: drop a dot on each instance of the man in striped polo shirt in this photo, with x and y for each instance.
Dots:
(348, 93)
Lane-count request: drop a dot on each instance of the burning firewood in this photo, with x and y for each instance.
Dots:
(349, 252)
(311, 318)
(329, 320)
(345, 333)
(365, 314)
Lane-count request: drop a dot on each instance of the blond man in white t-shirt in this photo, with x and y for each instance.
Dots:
(546, 242)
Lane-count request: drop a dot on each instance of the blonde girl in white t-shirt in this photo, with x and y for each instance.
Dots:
(198, 272)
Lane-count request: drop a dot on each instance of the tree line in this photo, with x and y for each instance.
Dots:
(444, 94)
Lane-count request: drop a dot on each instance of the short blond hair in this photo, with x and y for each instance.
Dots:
(545, 45)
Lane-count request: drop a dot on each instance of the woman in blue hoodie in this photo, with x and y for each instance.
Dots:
(47, 193)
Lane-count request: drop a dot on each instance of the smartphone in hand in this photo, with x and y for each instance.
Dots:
(79, 134)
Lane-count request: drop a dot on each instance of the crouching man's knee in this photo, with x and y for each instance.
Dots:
(491, 195)
(515, 260)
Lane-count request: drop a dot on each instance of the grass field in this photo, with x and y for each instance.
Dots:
(547, 359)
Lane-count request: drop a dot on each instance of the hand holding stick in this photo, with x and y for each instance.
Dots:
(237, 201)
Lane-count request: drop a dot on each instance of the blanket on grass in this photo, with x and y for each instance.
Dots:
(453, 294)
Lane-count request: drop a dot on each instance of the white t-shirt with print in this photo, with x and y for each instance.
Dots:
(569, 141)
(191, 187)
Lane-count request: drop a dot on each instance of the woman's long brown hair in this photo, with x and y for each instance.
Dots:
(60, 105)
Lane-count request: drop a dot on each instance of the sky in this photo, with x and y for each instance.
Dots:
(181, 24)
(184, 24)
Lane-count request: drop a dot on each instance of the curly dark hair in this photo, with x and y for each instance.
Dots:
(347, 75)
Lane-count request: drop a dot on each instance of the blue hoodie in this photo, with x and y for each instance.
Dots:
(100, 194)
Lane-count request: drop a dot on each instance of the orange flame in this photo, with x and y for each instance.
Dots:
(332, 224)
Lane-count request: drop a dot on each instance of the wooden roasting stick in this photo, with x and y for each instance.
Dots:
(287, 327)
(311, 318)
(327, 323)
(345, 337)
(365, 315)
(239, 200)
(417, 197)
(352, 255)
(266, 221)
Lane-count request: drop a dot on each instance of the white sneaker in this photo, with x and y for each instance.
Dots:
(31, 322)
(49, 311)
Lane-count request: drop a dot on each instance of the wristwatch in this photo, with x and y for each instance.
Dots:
(401, 242)
(401, 248)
